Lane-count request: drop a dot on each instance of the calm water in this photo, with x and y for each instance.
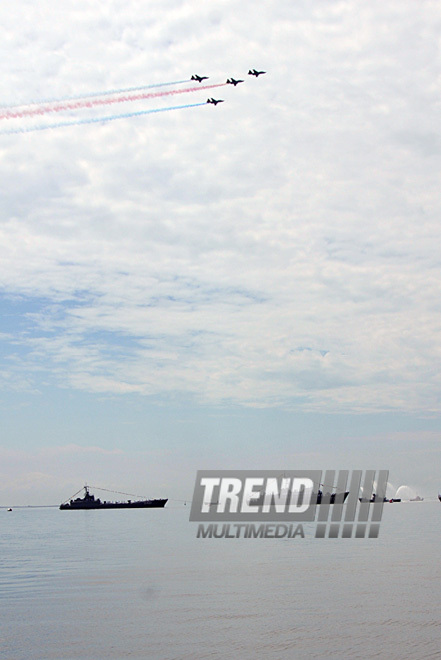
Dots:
(98, 585)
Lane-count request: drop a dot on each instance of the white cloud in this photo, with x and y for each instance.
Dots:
(199, 251)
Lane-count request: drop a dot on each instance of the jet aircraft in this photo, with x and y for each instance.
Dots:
(198, 78)
(253, 72)
(231, 81)
(215, 101)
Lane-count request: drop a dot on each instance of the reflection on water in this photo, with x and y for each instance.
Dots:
(88, 585)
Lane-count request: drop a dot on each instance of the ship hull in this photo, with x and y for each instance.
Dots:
(142, 504)
(327, 498)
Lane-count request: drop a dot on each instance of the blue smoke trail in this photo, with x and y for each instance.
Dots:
(98, 120)
(92, 94)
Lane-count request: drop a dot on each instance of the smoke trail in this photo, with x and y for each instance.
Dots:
(97, 120)
(76, 105)
(61, 99)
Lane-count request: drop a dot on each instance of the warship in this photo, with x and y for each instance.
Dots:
(90, 502)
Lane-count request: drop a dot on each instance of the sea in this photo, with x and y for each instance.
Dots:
(114, 584)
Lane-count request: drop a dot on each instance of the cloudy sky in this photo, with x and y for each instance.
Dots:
(250, 285)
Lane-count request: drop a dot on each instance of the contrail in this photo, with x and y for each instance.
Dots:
(86, 103)
(61, 99)
(97, 120)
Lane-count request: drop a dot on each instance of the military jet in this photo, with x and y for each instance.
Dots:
(198, 78)
(253, 72)
(215, 101)
(231, 81)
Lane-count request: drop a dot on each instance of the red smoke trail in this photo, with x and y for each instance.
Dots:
(88, 95)
(98, 120)
(75, 105)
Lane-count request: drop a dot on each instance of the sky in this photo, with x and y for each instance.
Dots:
(248, 286)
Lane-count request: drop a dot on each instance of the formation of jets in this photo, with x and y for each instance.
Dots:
(230, 81)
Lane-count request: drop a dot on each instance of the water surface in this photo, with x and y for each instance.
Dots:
(105, 585)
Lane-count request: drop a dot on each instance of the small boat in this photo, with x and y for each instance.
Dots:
(439, 496)
(89, 502)
(9, 509)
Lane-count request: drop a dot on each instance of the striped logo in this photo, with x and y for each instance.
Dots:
(361, 515)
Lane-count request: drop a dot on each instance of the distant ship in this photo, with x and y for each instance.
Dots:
(329, 498)
(385, 499)
(89, 502)
(373, 499)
